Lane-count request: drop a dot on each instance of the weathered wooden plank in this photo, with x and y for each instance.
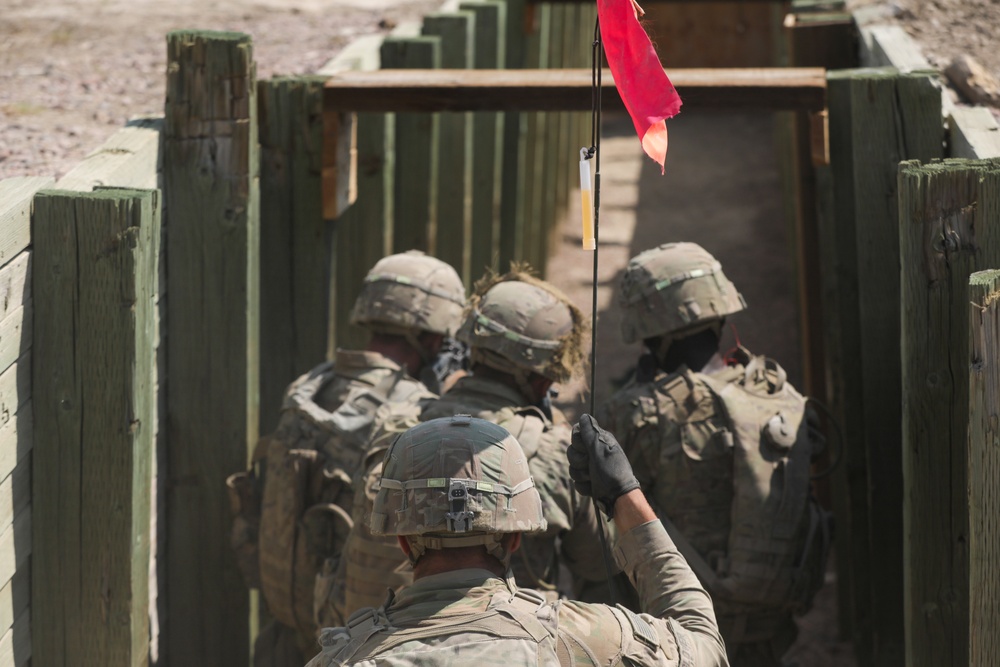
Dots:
(891, 46)
(488, 137)
(514, 127)
(763, 89)
(454, 197)
(14, 596)
(949, 217)
(15, 285)
(92, 483)
(129, 158)
(415, 186)
(295, 264)
(15, 645)
(212, 203)
(15, 213)
(363, 232)
(533, 168)
(15, 493)
(973, 133)
(984, 467)
(15, 335)
(15, 546)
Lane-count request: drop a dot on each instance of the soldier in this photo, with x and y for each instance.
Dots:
(458, 494)
(722, 448)
(291, 525)
(523, 336)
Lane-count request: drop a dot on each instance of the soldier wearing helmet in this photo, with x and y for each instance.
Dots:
(291, 525)
(523, 336)
(722, 449)
(457, 494)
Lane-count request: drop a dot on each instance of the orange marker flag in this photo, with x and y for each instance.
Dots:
(643, 85)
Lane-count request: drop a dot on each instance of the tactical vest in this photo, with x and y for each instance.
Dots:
(745, 435)
(304, 509)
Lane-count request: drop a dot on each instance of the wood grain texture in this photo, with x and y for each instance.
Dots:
(129, 158)
(16, 439)
(15, 644)
(95, 264)
(973, 133)
(760, 89)
(984, 467)
(14, 597)
(15, 493)
(453, 238)
(949, 217)
(213, 244)
(362, 235)
(15, 284)
(295, 238)
(15, 213)
(15, 545)
(415, 184)
(514, 128)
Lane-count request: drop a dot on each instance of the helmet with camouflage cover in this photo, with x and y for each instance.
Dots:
(456, 482)
(519, 324)
(409, 293)
(674, 290)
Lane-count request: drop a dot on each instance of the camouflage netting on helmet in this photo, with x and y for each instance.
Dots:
(410, 292)
(517, 321)
(674, 288)
(456, 481)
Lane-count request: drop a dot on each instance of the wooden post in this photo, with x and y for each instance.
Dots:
(416, 179)
(984, 467)
(95, 277)
(514, 129)
(534, 172)
(878, 118)
(363, 233)
(295, 264)
(488, 139)
(949, 226)
(457, 31)
(211, 200)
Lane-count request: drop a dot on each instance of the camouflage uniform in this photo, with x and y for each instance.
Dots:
(304, 499)
(679, 436)
(472, 616)
(373, 565)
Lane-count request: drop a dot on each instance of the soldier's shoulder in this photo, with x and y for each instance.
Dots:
(607, 633)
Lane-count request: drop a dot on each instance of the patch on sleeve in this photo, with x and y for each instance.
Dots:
(641, 630)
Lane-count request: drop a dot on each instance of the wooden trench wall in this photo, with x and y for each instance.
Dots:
(186, 271)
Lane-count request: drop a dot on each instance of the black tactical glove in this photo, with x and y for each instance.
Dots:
(598, 465)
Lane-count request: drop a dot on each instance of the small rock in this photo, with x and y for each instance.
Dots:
(974, 81)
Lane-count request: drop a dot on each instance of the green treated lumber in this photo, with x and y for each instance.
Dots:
(15, 285)
(15, 644)
(949, 226)
(212, 202)
(16, 437)
(14, 597)
(16, 547)
(530, 154)
(129, 158)
(453, 241)
(295, 263)
(363, 233)
(95, 256)
(15, 493)
(415, 186)
(15, 213)
(984, 467)
(488, 139)
(514, 127)
(892, 117)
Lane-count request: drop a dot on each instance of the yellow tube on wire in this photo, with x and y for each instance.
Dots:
(586, 202)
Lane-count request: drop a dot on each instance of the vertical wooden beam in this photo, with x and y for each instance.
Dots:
(514, 127)
(210, 176)
(488, 139)
(457, 31)
(532, 153)
(416, 179)
(949, 226)
(95, 277)
(984, 467)
(295, 267)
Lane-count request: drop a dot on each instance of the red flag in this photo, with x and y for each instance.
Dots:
(643, 85)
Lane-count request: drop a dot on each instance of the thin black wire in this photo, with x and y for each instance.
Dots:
(595, 150)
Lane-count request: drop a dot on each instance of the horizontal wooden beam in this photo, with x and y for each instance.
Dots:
(761, 89)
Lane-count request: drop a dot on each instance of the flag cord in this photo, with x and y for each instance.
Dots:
(595, 152)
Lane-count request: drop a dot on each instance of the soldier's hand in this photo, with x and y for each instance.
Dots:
(598, 465)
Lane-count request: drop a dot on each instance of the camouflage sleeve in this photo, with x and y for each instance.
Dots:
(670, 592)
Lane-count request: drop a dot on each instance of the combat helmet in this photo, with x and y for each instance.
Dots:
(456, 482)
(409, 293)
(519, 324)
(674, 290)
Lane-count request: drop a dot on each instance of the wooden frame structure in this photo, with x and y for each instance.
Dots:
(436, 90)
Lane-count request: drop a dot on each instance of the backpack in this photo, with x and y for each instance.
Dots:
(779, 537)
(302, 505)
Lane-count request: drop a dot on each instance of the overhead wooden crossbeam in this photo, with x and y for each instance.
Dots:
(434, 90)
(743, 89)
